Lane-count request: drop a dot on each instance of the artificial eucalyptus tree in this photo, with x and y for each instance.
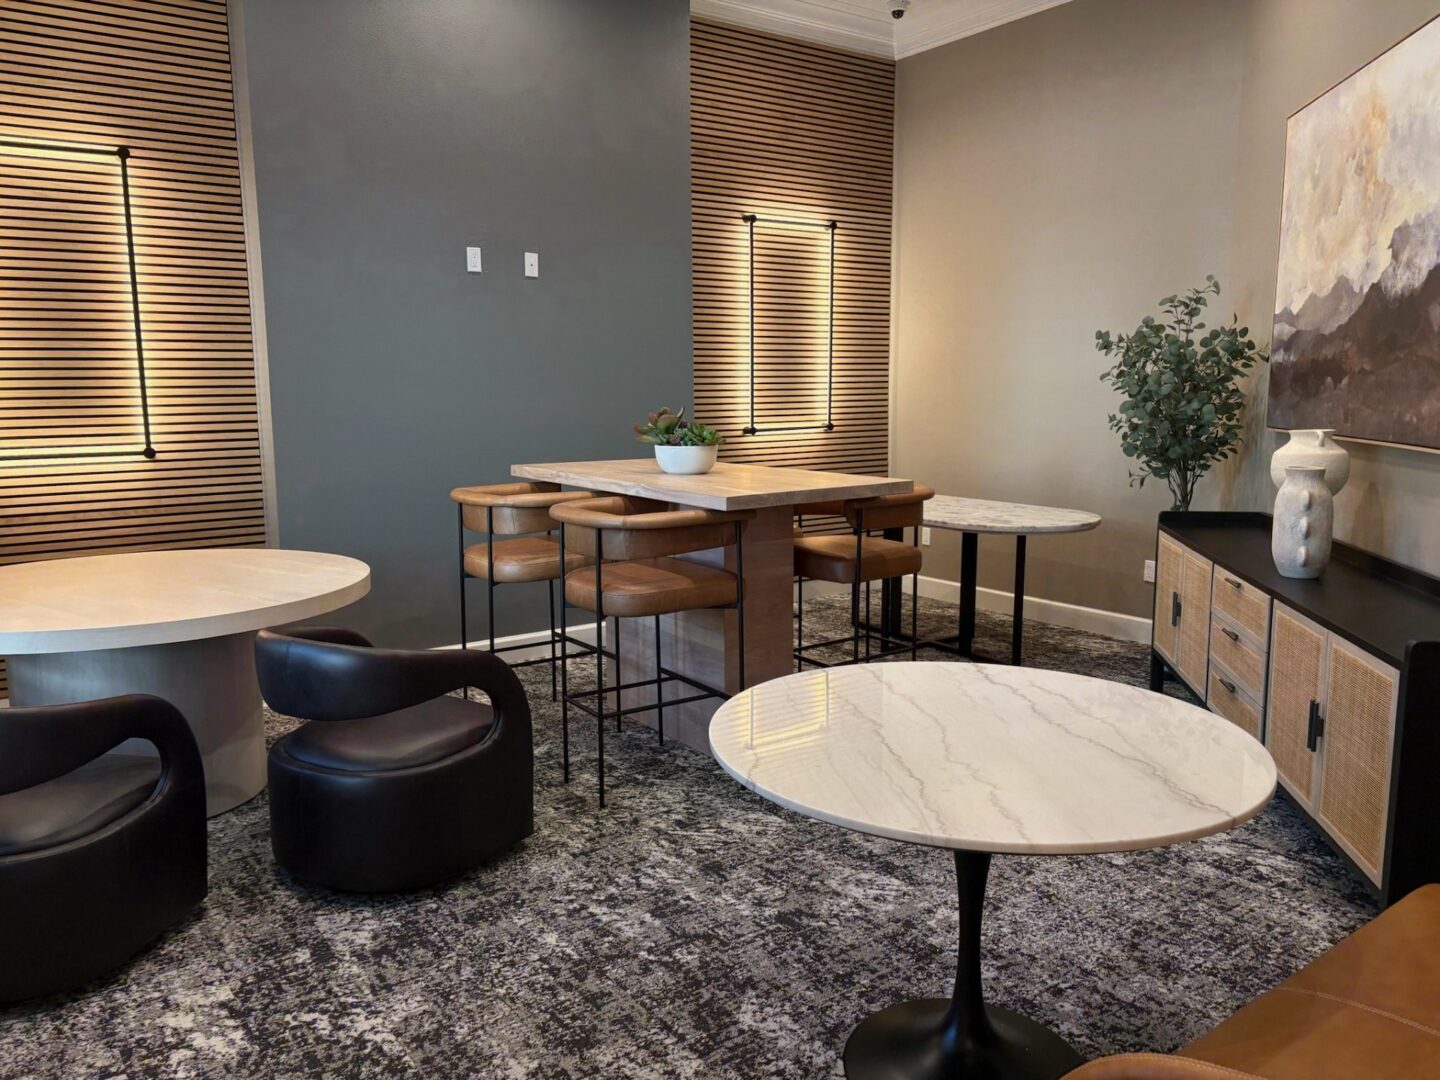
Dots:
(1181, 412)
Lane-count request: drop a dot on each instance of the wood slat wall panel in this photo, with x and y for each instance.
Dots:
(784, 128)
(153, 75)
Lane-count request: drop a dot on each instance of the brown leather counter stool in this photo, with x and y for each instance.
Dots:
(520, 511)
(858, 559)
(630, 547)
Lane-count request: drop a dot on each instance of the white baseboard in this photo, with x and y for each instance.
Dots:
(1055, 612)
(539, 639)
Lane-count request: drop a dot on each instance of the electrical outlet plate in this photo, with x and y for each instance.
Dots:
(925, 537)
(1150, 570)
(532, 264)
(472, 260)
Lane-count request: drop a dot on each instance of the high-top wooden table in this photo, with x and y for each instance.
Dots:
(177, 624)
(986, 760)
(705, 644)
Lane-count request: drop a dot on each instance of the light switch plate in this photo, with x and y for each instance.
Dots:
(1150, 570)
(532, 264)
(472, 260)
(925, 537)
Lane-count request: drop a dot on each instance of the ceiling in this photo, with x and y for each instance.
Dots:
(867, 26)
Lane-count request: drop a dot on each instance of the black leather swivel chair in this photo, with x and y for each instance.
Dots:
(98, 854)
(393, 785)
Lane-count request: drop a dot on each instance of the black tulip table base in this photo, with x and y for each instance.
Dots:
(951, 1038)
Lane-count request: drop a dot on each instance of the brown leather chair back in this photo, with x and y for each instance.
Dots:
(643, 528)
(512, 509)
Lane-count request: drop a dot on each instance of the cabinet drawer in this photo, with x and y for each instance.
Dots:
(1246, 605)
(1230, 701)
(1241, 656)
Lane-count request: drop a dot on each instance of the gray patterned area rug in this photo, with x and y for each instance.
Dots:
(690, 930)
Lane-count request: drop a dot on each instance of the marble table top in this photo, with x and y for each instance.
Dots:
(160, 597)
(988, 516)
(725, 487)
(980, 757)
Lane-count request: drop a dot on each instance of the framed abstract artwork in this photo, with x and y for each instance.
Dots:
(1356, 343)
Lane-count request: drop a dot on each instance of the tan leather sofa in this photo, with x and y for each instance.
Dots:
(1369, 1009)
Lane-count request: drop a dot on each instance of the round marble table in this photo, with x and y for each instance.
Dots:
(178, 624)
(985, 760)
(970, 517)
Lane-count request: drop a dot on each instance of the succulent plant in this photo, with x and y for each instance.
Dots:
(666, 428)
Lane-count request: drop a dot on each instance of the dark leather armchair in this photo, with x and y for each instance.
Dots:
(393, 785)
(99, 853)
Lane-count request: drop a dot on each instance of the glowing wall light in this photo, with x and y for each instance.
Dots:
(751, 220)
(121, 154)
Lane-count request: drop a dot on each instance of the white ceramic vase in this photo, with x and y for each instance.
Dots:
(1304, 521)
(686, 460)
(1312, 446)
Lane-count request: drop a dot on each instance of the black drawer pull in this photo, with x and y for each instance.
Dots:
(1315, 729)
(1232, 581)
(1231, 634)
(1226, 683)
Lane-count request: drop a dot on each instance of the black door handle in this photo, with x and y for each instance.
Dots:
(1174, 609)
(1231, 634)
(1227, 684)
(1315, 729)
(1231, 581)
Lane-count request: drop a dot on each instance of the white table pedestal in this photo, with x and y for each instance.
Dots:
(210, 680)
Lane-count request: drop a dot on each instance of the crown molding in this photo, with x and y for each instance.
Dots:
(838, 23)
(915, 35)
(865, 26)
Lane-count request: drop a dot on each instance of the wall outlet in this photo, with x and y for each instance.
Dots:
(472, 260)
(1150, 570)
(925, 537)
(532, 264)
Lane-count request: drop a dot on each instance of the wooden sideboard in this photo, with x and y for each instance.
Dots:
(1339, 677)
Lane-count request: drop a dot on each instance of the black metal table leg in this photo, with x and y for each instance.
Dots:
(969, 561)
(959, 1036)
(1017, 626)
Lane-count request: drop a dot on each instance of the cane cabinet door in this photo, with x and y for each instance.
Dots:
(1170, 565)
(1194, 658)
(1356, 748)
(1297, 668)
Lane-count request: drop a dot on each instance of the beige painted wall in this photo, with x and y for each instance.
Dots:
(1055, 175)
(1061, 174)
(1296, 49)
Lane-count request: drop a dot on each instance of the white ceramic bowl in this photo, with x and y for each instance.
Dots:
(686, 460)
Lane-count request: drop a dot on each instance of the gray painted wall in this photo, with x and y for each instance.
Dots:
(387, 136)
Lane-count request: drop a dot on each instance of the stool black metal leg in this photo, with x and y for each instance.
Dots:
(490, 572)
(915, 605)
(564, 674)
(659, 687)
(1017, 627)
(551, 608)
(619, 675)
(867, 621)
(600, 666)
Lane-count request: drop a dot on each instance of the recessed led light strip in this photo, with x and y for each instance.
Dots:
(60, 151)
(832, 226)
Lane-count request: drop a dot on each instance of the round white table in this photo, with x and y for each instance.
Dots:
(984, 760)
(178, 624)
(970, 517)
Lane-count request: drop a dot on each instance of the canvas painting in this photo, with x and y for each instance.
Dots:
(1356, 345)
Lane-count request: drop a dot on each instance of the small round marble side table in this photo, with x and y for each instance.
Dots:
(985, 760)
(970, 517)
(178, 624)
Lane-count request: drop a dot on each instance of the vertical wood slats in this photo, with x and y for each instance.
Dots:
(154, 76)
(788, 129)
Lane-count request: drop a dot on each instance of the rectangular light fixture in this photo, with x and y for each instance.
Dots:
(751, 220)
(121, 154)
